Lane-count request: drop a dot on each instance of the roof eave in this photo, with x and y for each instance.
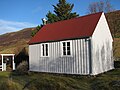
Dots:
(84, 37)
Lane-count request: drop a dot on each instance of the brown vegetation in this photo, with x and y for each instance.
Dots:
(14, 42)
(113, 19)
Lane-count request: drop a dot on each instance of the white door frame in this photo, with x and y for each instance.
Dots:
(13, 63)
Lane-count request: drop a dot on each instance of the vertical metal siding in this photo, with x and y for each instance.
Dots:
(34, 59)
(102, 60)
(78, 63)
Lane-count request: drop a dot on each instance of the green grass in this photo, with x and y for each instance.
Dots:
(4, 76)
(43, 81)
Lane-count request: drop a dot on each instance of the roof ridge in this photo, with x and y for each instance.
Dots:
(74, 18)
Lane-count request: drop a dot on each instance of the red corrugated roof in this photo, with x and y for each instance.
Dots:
(68, 29)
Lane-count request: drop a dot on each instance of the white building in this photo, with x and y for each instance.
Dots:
(80, 45)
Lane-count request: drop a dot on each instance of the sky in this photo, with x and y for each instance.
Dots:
(18, 14)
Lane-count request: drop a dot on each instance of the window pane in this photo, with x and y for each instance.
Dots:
(68, 48)
(43, 49)
(64, 52)
(46, 53)
(68, 44)
(46, 49)
(64, 44)
(64, 48)
(68, 53)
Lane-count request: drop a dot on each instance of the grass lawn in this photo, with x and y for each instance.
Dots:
(43, 81)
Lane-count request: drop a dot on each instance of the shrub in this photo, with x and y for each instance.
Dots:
(22, 68)
(117, 64)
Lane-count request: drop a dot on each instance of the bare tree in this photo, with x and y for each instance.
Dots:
(100, 6)
(92, 7)
(108, 6)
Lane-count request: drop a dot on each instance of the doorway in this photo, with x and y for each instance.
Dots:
(7, 62)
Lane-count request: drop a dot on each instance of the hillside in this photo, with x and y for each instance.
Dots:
(14, 42)
(113, 19)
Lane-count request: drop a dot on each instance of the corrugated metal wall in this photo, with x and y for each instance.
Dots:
(101, 40)
(78, 63)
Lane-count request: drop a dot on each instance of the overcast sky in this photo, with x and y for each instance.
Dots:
(19, 14)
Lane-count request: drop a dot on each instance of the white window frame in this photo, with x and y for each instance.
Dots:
(44, 49)
(66, 50)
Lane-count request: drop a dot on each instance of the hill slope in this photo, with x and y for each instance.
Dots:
(14, 42)
(113, 19)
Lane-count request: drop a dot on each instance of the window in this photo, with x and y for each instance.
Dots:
(66, 48)
(44, 49)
